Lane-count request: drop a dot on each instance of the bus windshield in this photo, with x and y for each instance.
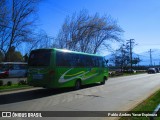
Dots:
(39, 58)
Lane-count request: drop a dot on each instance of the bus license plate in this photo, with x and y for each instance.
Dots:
(37, 76)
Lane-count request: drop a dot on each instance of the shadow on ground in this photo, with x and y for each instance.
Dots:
(35, 94)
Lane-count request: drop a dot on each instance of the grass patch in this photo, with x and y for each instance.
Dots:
(148, 105)
(137, 73)
(125, 74)
(13, 86)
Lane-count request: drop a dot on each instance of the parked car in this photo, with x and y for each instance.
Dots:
(151, 70)
(118, 72)
(4, 74)
(157, 70)
(13, 69)
(132, 71)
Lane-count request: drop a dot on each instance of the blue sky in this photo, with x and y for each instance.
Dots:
(140, 19)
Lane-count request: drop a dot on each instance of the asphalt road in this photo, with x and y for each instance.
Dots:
(118, 94)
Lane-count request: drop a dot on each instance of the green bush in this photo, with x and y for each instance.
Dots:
(1, 82)
(22, 82)
(9, 83)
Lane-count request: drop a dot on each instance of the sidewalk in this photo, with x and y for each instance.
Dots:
(12, 91)
(13, 80)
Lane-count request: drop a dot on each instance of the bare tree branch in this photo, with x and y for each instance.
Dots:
(16, 26)
(86, 33)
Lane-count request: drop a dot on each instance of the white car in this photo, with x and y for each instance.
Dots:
(15, 69)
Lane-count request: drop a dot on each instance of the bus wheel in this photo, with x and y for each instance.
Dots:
(104, 80)
(77, 85)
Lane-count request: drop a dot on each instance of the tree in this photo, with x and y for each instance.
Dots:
(40, 40)
(86, 33)
(1, 56)
(13, 56)
(4, 21)
(17, 25)
(136, 61)
(121, 57)
(25, 57)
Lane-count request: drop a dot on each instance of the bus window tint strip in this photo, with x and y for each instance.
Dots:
(77, 60)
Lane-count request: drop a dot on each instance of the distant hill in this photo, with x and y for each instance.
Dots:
(144, 57)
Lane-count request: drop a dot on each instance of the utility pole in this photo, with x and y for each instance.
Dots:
(138, 60)
(131, 42)
(150, 51)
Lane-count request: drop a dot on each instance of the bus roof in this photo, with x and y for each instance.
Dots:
(65, 50)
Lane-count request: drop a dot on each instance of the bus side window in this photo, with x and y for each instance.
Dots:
(87, 61)
(97, 62)
(100, 61)
(70, 60)
(83, 60)
(80, 61)
(65, 59)
(77, 60)
(94, 61)
(60, 59)
(91, 61)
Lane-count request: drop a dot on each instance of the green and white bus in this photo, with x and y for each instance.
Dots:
(57, 68)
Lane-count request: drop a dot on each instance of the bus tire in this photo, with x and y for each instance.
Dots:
(104, 80)
(77, 85)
